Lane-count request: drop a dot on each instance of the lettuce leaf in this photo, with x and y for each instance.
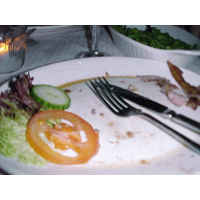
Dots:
(13, 140)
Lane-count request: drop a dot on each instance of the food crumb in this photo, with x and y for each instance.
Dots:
(132, 88)
(144, 162)
(67, 91)
(107, 74)
(152, 134)
(130, 134)
(93, 111)
(101, 114)
(96, 130)
(111, 142)
(111, 124)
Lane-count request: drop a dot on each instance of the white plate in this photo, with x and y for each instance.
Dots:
(149, 151)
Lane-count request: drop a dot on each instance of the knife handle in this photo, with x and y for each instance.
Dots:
(186, 122)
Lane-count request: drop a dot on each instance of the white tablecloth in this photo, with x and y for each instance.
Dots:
(60, 44)
(63, 43)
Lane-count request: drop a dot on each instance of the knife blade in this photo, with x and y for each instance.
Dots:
(158, 108)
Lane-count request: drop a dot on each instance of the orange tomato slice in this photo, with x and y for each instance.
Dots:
(63, 136)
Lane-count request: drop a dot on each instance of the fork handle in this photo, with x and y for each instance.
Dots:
(181, 138)
(186, 122)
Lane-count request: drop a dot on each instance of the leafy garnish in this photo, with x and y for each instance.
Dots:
(16, 109)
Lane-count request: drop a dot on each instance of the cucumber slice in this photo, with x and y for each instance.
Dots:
(50, 97)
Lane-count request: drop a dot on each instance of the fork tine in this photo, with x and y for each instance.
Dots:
(100, 96)
(106, 84)
(117, 96)
(109, 93)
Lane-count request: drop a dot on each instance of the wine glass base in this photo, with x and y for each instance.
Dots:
(89, 54)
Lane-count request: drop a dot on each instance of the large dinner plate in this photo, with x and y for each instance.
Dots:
(128, 145)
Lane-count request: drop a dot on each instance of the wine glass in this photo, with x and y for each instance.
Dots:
(31, 41)
(94, 52)
(24, 29)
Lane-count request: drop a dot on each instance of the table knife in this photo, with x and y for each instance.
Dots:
(159, 109)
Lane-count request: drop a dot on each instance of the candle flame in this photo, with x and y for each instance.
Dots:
(4, 48)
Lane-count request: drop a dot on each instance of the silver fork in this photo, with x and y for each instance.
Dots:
(118, 106)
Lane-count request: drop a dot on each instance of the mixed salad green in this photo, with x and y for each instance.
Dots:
(155, 39)
(16, 109)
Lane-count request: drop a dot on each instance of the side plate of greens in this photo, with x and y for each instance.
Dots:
(156, 38)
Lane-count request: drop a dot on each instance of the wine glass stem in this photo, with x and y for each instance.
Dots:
(96, 38)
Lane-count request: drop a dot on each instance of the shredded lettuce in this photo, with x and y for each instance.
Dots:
(13, 140)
